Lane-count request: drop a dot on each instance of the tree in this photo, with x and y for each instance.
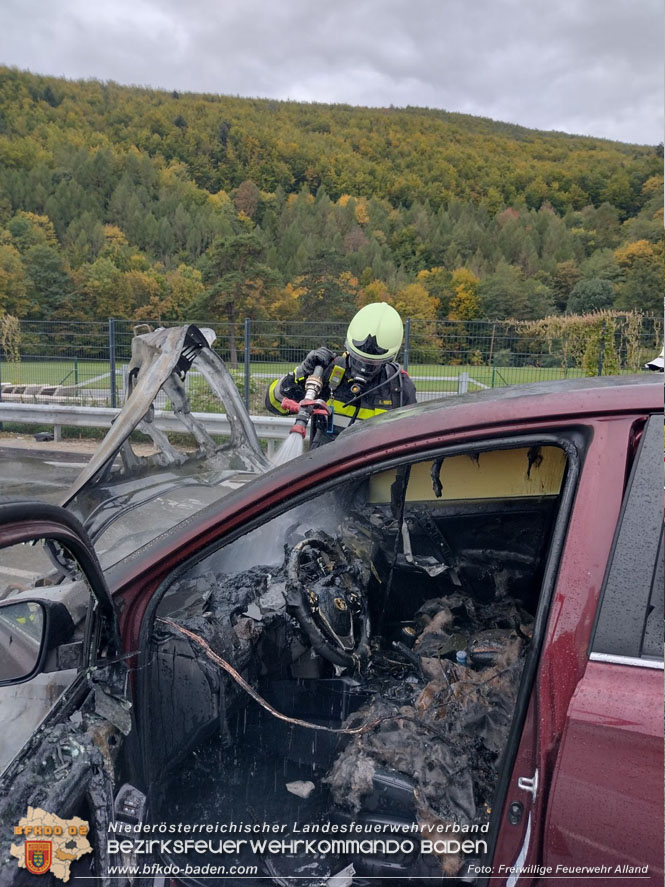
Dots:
(48, 282)
(603, 224)
(237, 279)
(185, 288)
(326, 295)
(415, 302)
(285, 305)
(408, 249)
(603, 265)
(618, 192)
(398, 195)
(361, 211)
(101, 284)
(116, 248)
(642, 286)
(30, 229)
(590, 295)
(464, 305)
(143, 288)
(565, 276)
(246, 199)
(437, 282)
(13, 287)
(503, 294)
(376, 291)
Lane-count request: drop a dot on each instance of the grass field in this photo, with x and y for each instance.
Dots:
(54, 372)
(427, 377)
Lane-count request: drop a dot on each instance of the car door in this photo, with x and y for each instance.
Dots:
(599, 452)
(56, 793)
(482, 514)
(606, 801)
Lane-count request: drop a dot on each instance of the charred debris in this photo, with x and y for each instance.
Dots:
(381, 663)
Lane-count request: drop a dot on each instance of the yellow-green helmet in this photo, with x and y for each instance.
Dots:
(375, 333)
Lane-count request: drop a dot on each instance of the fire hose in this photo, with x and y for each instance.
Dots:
(310, 405)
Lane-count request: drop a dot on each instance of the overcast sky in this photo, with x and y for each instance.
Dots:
(585, 66)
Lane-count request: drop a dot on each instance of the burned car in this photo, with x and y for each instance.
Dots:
(430, 651)
(124, 499)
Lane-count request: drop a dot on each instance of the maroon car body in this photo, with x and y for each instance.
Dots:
(587, 769)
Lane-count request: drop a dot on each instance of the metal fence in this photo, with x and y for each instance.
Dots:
(85, 363)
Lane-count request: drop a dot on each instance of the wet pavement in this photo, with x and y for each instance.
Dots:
(32, 473)
(38, 473)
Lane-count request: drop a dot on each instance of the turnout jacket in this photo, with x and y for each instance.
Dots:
(390, 389)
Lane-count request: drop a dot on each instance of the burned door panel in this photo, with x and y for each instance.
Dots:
(74, 709)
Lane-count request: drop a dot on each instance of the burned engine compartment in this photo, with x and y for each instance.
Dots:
(396, 630)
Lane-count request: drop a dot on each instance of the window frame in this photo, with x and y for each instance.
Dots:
(657, 586)
(627, 586)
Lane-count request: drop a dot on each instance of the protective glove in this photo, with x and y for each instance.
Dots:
(319, 357)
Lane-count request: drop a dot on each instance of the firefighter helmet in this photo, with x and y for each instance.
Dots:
(375, 333)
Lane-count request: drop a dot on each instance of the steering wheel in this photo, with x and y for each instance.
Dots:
(325, 593)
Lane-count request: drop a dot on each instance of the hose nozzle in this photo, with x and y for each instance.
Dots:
(310, 404)
(314, 384)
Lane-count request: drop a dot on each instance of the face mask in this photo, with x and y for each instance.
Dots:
(363, 372)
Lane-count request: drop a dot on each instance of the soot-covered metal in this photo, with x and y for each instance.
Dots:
(128, 497)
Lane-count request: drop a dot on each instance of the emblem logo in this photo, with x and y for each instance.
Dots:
(38, 856)
(51, 844)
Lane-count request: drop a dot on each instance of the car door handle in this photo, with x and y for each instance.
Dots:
(529, 784)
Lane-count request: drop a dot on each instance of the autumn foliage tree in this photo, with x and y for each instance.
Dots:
(237, 280)
(464, 305)
(642, 285)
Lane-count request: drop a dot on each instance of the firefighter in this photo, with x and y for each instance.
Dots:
(364, 381)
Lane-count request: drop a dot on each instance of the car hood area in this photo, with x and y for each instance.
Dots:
(124, 498)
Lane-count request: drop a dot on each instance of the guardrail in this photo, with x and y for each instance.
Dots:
(270, 428)
(40, 411)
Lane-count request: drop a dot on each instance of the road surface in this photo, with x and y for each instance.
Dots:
(38, 473)
(31, 473)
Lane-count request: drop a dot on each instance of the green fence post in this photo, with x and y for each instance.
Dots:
(112, 360)
(407, 343)
(246, 359)
(76, 370)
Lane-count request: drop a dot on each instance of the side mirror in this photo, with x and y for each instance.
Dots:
(29, 630)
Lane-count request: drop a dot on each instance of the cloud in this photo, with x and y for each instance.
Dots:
(576, 65)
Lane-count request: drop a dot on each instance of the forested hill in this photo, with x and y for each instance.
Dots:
(141, 203)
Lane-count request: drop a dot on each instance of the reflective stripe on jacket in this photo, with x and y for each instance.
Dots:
(392, 388)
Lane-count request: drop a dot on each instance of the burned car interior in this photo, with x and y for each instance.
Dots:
(358, 658)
